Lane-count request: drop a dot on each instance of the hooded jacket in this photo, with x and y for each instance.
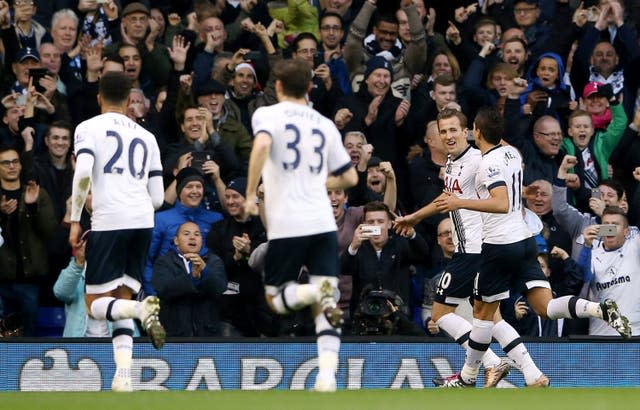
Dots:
(559, 96)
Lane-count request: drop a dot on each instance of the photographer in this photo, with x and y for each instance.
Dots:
(380, 261)
(610, 258)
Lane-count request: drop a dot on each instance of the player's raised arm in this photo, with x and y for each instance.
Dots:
(259, 154)
(403, 224)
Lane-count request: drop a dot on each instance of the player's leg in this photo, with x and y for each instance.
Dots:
(491, 286)
(572, 307)
(283, 261)
(323, 268)
(512, 345)
(455, 287)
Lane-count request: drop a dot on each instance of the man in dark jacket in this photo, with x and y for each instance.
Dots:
(243, 305)
(379, 260)
(27, 222)
(375, 111)
(188, 285)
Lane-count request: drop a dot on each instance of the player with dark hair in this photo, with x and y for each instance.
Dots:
(456, 283)
(509, 252)
(295, 149)
(120, 161)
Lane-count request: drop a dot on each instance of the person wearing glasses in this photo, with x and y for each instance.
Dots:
(28, 222)
(330, 49)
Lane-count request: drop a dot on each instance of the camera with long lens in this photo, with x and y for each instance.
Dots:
(377, 313)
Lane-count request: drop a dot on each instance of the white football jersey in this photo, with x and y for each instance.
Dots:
(502, 166)
(616, 276)
(125, 156)
(306, 147)
(460, 180)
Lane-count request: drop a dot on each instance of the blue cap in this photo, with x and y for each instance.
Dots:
(26, 52)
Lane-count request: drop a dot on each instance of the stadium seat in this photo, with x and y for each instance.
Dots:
(50, 322)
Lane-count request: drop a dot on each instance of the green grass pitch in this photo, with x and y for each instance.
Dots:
(436, 399)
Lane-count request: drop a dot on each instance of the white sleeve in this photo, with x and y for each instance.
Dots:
(260, 122)
(155, 185)
(491, 175)
(81, 184)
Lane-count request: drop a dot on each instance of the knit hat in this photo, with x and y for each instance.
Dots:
(187, 175)
(249, 66)
(239, 185)
(378, 62)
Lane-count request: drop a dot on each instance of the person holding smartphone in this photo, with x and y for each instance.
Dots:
(608, 273)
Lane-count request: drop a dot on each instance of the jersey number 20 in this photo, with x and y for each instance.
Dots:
(293, 145)
(110, 167)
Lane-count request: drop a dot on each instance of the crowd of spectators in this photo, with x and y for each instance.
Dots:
(560, 71)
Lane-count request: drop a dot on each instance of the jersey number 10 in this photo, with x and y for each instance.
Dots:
(110, 167)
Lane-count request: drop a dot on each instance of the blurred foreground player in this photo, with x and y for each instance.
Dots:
(120, 161)
(295, 149)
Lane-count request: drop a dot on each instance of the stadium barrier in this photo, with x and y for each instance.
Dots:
(261, 364)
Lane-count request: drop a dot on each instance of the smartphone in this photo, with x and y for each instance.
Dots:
(198, 158)
(317, 60)
(595, 193)
(21, 100)
(252, 56)
(37, 74)
(367, 231)
(607, 230)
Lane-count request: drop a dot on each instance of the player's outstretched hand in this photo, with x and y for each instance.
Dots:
(403, 225)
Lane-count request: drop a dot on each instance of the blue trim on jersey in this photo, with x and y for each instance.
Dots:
(496, 184)
(462, 153)
(342, 169)
(494, 148)
(85, 151)
(155, 174)
(265, 131)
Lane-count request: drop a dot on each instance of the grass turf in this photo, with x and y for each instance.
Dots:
(437, 399)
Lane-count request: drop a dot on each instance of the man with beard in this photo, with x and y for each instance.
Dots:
(330, 49)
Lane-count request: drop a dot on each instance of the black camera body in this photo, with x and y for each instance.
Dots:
(377, 313)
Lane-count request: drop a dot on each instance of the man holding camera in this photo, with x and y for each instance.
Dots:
(381, 261)
(614, 257)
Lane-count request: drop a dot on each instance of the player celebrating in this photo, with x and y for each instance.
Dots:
(294, 149)
(509, 252)
(120, 161)
(456, 283)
